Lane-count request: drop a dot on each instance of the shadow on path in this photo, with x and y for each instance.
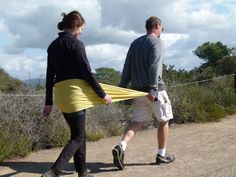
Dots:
(28, 167)
(41, 167)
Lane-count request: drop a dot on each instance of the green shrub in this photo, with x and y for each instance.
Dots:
(115, 129)
(213, 112)
(184, 109)
(13, 144)
(56, 134)
(94, 135)
(203, 103)
(106, 118)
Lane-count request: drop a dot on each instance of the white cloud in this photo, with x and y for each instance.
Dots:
(106, 55)
(21, 66)
(187, 62)
(108, 34)
(2, 25)
(207, 19)
(110, 28)
(171, 38)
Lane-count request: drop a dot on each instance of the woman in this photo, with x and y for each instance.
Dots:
(67, 61)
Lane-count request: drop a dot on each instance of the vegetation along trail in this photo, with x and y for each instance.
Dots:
(202, 150)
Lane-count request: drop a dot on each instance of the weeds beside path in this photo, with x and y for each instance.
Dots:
(202, 150)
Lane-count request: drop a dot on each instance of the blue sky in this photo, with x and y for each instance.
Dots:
(26, 30)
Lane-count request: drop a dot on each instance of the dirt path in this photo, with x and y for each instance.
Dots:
(202, 150)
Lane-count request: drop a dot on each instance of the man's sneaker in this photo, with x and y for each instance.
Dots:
(50, 173)
(85, 174)
(118, 157)
(166, 159)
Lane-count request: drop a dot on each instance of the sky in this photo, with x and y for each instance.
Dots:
(28, 27)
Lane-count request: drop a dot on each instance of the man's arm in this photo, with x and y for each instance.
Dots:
(155, 63)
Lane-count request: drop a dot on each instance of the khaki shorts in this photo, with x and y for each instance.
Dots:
(143, 108)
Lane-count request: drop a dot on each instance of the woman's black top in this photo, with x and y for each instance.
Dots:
(67, 60)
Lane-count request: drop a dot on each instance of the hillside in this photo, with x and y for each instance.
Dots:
(35, 82)
(8, 83)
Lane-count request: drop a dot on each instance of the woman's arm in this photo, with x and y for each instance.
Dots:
(50, 76)
(85, 69)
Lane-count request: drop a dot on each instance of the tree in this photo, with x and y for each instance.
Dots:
(203, 74)
(212, 52)
(108, 76)
(227, 65)
(173, 76)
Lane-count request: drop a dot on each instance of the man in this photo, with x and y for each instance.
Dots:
(143, 69)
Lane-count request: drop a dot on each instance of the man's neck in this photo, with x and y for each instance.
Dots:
(153, 34)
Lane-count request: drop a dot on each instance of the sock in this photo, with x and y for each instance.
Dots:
(162, 152)
(123, 145)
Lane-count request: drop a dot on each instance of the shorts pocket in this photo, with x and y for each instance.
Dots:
(166, 110)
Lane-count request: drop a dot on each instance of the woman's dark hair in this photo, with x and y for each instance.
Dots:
(71, 20)
(152, 22)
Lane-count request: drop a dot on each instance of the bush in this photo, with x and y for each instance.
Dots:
(25, 129)
(94, 135)
(203, 103)
(55, 133)
(23, 115)
(107, 118)
(13, 144)
(213, 112)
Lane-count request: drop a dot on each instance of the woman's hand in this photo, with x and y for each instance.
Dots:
(108, 99)
(47, 110)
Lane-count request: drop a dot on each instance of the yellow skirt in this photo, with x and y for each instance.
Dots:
(74, 95)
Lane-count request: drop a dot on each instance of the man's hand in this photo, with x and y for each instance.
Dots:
(47, 110)
(151, 97)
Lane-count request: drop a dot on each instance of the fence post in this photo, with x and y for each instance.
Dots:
(235, 82)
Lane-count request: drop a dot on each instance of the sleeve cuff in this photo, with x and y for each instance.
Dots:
(153, 91)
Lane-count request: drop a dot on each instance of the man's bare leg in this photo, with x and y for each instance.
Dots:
(131, 130)
(118, 151)
(162, 135)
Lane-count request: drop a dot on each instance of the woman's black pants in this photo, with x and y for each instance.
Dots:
(76, 147)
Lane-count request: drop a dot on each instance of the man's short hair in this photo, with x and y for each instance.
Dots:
(152, 22)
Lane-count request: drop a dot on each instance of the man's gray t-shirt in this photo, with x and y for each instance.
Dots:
(144, 65)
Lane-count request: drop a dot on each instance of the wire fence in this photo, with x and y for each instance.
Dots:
(201, 81)
(169, 86)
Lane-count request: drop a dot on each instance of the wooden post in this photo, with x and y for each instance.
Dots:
(235, 82)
